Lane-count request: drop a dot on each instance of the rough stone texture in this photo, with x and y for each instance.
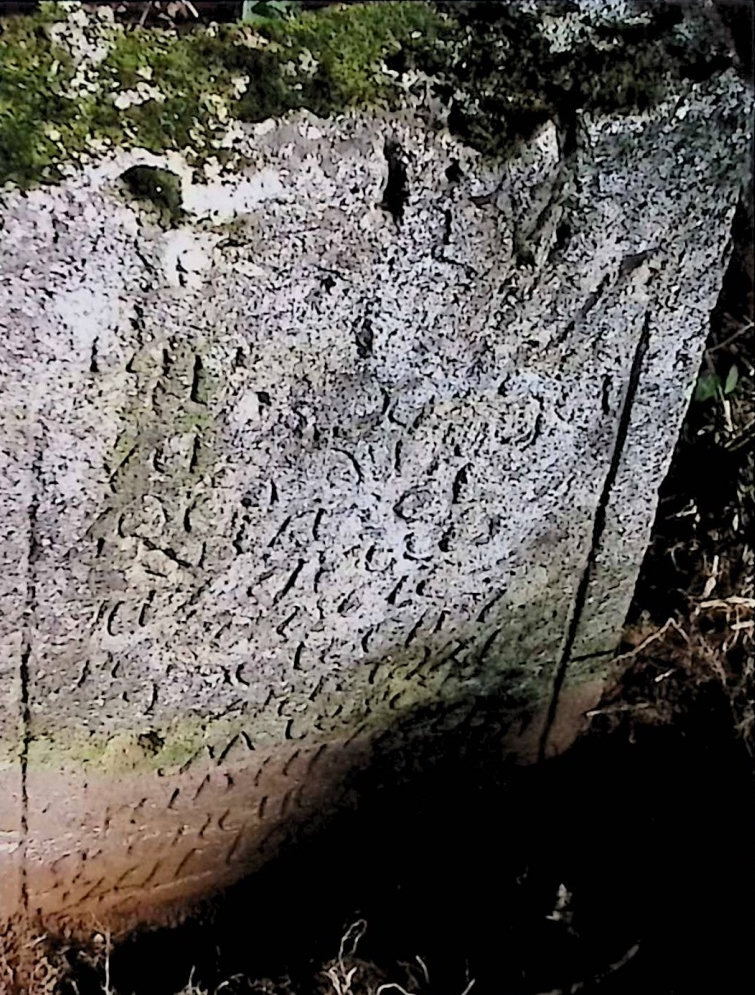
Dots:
(324, 466)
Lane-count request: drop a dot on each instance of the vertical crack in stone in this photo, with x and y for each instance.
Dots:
(30, 613)
(598, 527)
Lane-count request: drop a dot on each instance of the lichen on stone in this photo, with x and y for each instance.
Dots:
(509, 67)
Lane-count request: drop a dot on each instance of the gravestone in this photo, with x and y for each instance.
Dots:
(307, 458)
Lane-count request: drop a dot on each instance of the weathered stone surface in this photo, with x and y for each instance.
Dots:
(310, 460)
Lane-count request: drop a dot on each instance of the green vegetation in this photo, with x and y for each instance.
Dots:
(710, 385)
(184, 88)
(36, 119)
(493, 66)
(339, 53)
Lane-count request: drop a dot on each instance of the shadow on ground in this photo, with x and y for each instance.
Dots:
(648, 828)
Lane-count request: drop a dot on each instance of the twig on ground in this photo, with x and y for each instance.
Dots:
(339, 977)
(352, 936)
(425, 972)
(670, 623)
(596, 979)
(732, 338)
(733, 602)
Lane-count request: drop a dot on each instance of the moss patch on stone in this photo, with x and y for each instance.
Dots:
(380, 699)
(161, 91)
(151, 749)
(36, 119)
(501, 70)
(505, 69)
(182, 401)
(336, 58)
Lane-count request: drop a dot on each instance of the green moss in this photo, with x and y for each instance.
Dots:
(36, 119)
(336, 57)
(327, 62)
(507, 76)
(376, 697)
(166, 747)
(184, 401)
(46, 121)
(491, 63)
(124, 444)
(185, 70)
(196, 421)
